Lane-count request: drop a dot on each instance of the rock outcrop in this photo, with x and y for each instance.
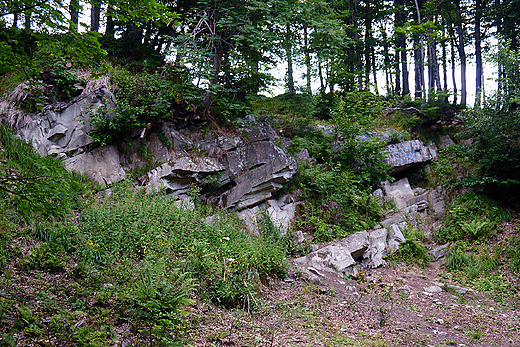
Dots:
(62, 129)
(258, 169)
(176, 176)
(406, 155)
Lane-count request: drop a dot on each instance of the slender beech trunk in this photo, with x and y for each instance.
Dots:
(95, 12)
(462, 54)
(478, 53)
(419, 58)
(434, 79)
(218, 55)
(368, 49)
(15, 20)
(419, 68)
(27, 19)
(110, 29)
(320, 73)
(453, 78)
(74, 15)
(288, 50)
(401, 47)
(397, 72)
(444, 66)
(307, 59)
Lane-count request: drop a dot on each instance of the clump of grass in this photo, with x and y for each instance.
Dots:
(460, 222)
(412, 250)
(140, 227)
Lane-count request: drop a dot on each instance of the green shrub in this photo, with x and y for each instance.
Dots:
(355, 114)
(34, 184)
(494, 130)
(412, 250)
(318, 145)
(141, 99)
(460, 221)
(145, 228)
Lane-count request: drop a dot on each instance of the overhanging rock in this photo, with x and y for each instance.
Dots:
(176, 175)
(405, 155)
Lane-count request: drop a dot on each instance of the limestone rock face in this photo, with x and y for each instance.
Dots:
(101, 165)
(408, 154)
(176, 175)
(60, 130)
(258, 169)
(339, 256)
(281, 212)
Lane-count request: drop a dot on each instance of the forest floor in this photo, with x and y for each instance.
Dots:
(391, 308)
(398, 305)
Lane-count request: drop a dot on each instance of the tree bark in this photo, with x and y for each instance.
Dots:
(288, 50)
(95, 12)
(401, 47)
(419, 68)
(110, 28)
(453, 78)
(74, 15)
(419, 58)
(462, 54)
(478, 53)
(307, 59)
(217, 65)
(27, 19)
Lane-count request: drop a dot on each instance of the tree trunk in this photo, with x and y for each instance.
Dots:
(288, 49)
(478, 53)
(320, 73)
(15, 20)
(444, 65)
(401, 47)
(462, 54)
(74, 15)
(218, 55)
(419, 58)
(27, 20)
(453, 78)
(307, 59)
(110, 28)
(95, 13)
(368, 49)
(419, 68)
(434, 79)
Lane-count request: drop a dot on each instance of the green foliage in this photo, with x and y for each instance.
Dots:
(141, 99)
(412, 250)
(35, 184)
(335, 203)
(476, 228)
(452, 166)
(221, 256)
(156, 300)
(474, 265)
(513, 253)
(495, 132)
(317, 143)
(460, 221)
(354, 115)
(79, 49)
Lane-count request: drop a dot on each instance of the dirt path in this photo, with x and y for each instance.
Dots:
(400, 306)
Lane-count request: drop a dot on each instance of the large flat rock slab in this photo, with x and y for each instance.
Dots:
(406, 155)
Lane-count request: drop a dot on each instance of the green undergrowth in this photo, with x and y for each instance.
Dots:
(485, 268)
(98, 263)
(471, 216)
(412, 250)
